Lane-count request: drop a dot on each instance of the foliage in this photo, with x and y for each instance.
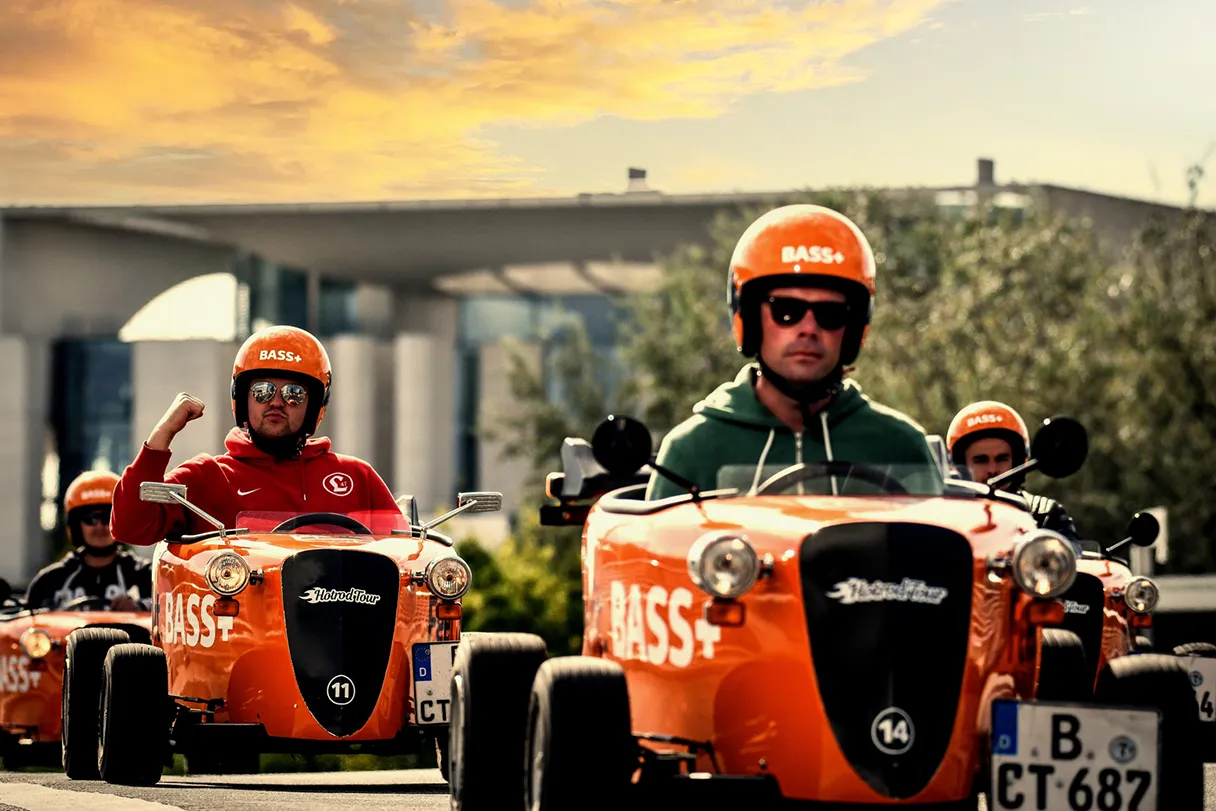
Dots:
(531, 584)
(1026, 307)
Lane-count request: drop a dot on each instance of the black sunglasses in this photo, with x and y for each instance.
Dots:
(829, 315)
(293, 393)
(96, 517)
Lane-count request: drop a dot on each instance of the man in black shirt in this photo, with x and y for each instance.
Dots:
(986, 439)
(99, 567)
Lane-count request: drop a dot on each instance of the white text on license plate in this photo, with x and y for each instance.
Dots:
(432, 676)
(1073, 757)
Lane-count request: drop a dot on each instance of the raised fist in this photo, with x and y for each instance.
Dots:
(186, 407)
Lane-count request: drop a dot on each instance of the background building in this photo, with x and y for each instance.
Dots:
(412, 300)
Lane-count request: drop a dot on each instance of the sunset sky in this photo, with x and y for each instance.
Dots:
(162, 101)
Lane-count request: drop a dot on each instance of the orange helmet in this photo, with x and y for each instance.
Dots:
(801, 245)
(286, 351)
(93, 488)
(985, 419)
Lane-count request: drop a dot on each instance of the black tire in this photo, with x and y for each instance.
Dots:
(83, 668)
(442, 739)
(491, 684)
(1204, 649)
(135, 716)
(579, 735)
(1063, 668)
(1162, 682)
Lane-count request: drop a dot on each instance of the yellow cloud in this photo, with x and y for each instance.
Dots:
(181, 100)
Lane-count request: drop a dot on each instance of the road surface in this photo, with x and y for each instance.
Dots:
(407, 790)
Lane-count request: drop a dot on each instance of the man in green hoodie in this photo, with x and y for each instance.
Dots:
(800, 291)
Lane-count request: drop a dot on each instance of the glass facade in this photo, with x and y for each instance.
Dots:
(491, 318)
(91, 405)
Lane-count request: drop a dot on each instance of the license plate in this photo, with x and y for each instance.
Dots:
(1203, 679)
(1073, 757)
(432, 677)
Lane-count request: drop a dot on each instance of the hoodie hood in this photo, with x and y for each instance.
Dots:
(732, 440)
(736, 402)
(240, 446)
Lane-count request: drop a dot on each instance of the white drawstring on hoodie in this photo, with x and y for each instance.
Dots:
(827, 442)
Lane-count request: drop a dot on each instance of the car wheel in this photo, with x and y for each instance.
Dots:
(83, 666)
(1204, 649)
(579, 735)
(135, 716)
(491, 681)
(1063, 668)
(1162, 682)
(441, 753)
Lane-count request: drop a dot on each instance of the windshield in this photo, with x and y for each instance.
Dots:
(848, 478)
(357, 522)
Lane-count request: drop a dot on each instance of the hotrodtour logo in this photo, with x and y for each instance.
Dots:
(316, 594)
(860, 590)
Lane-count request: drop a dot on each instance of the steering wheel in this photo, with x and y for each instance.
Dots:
(822, 470)
(336, 519)
(85, 603)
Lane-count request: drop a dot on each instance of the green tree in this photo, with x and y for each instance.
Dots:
(1164, 306)
(1024, 306)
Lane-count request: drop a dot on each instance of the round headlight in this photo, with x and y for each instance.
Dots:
(448, 577)
(36, 643)
(1141, 595)
(227, 574)
(723, 564)
(1045, 564)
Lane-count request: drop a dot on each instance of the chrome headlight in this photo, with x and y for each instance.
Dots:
(1045, 564)
(448, 577)
(723, 564)
(1141, 595)
(227, 574)
(36, 643)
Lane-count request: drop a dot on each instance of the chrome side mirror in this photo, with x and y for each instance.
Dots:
(162, 492)
(480, 501)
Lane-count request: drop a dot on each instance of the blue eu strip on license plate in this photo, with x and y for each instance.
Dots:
(432, 677)
(1073, 757)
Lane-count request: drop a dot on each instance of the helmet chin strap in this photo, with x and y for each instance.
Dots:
(804, 393)
(99, 551)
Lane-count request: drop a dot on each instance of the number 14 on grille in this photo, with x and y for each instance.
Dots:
(1073, 757)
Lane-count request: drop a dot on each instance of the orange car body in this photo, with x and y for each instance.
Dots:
(779, 693)
(1097, 613)
(319, 608)
(30, 700)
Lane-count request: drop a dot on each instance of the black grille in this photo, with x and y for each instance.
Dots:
(340, 607)
(1084, 604)
(883, 662)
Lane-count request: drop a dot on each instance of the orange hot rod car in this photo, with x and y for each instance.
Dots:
(312, 632)
(887, 645)
(32, 653)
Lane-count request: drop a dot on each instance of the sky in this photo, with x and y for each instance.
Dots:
(202, 101)
(123, 102)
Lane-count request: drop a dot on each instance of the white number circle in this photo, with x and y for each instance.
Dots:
(341, 690)
(893, 731)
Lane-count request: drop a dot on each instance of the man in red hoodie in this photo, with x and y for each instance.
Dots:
(280, 387)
